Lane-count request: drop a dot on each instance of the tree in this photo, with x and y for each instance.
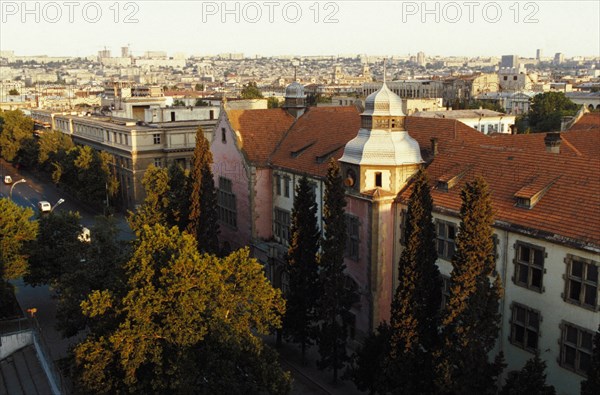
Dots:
(203, 219)
(155, 208)
(178, 103)
(15, 129)
(369, 363)
(251, 91)
(179, 197)
(336, 297)
(471, 319)
(272, 102)
(16, 230)
(50, 144)
(13, 92)
(199, 87)
(591, 386)
(201, 103)
(302, 266)
(186, 323)
(548, 109)
(531, 380)
(415, 319)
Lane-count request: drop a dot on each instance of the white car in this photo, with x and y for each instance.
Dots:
(44, 206)
(7, 179)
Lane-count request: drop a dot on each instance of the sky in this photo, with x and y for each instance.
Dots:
(269, 28)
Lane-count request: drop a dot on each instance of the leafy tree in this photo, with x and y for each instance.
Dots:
(591, 386)
(199, 87)
(547, 110)
(471, 319)
(155, 208)
(369, 362)
(251, 91)
(51, 143)
(531, 380)
(203, 219)
(485, 104)
(186, 323)
(272, 102)
(201, 103)
(336, 298)
(27, 154)
(16, 230)
(415, 319)
(178, 103)
(15, 129)
(179, 196)
(302, 266)
(13, 92)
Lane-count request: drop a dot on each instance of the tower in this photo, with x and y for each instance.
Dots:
(295, 99)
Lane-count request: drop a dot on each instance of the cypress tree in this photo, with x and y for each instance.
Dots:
(471, 320)
(336, 298)
(416, 305)
(203, 219)
(591, 386)
(179, 193)
(299, 320)
(531, 380)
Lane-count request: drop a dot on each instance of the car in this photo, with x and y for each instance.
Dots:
(44, 206)
(7, 180)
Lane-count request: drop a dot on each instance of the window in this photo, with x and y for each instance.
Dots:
(378, 182)
(158, 162)
(525, 327)
(156, 138)
(286, 187)
(446, 284)
(282, 225)
(582, 282)
(446, 232)
(226, 202)
(505, 78)
(172, 116)
(529, 266)
(353, 239)
(223, 136)
(278, 184)
(575, 348)
(211, 114)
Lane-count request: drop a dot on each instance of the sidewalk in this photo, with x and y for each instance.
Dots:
(308, 379)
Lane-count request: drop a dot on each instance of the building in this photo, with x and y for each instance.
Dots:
(421, 59)
(485, 121)
(464, 88)
(509, 61)
(544, 192)
(559, 58)
(422, 89)
(538, 55)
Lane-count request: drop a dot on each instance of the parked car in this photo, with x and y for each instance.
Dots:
(7, 180)
(44, 206)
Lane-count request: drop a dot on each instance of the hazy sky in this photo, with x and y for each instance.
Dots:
(464, 28)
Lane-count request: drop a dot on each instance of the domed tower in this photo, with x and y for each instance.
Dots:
(382, 155)
(295, 99)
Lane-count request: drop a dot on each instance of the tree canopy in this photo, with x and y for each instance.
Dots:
(548, 109)
(15, 129)
(16, 230)
(251, 91)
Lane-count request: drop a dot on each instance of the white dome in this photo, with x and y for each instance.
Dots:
(383, 103)
(378, 147)
(294, 90)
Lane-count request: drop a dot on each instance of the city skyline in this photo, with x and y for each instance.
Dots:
(378, 28)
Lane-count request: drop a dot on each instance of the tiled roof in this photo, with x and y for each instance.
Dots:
(260, 131)
(588, 121)
(319, 134)
(570, 207)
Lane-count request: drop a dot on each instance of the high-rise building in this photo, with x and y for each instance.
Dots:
(559, 58)
(421, 59)
(124, 52)
(538, 54)
(105, 53)
(509, 61)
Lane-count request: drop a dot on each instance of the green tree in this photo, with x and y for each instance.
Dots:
(50, 144)
(369, 362)
(302, 266)
(15, 129)
(16, 230)
(591, 385)
(415, 316)
(13, 92)
(471, 319)
(201, 103)
(155, 208)
(178, 103)
(251, 91)
(548, 109)
(199, 87)
(272, 102)
(179, 197)
(531, 380)
(336, 298)
(203, 218)
(186, 323)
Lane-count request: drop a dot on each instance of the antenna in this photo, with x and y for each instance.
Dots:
(384, 69)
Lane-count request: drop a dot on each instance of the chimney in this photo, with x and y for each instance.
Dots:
(434, 146)
(513, 129)
(552, 141)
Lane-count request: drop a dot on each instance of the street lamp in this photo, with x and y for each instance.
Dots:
(60, 201)
(13, 185)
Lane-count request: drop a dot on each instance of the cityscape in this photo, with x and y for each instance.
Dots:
(320, 197)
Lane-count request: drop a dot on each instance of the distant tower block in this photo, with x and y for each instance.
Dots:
(538, 54)
(124, 52)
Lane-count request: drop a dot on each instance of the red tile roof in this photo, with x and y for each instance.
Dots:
(260, 131)
(319, 134)
(588, 121)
